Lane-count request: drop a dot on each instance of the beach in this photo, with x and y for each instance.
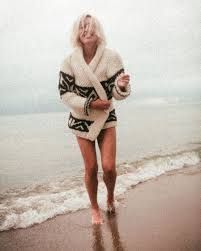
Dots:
(156, 152)
(160, 214)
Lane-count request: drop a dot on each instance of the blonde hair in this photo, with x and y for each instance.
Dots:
(95, 26)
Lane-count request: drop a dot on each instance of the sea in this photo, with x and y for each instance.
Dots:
(42, 170)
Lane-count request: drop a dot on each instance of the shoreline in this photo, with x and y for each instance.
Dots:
(160, 214)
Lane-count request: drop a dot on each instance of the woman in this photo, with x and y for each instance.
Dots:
(89, 78)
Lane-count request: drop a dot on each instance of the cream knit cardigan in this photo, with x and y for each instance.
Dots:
(80, 83)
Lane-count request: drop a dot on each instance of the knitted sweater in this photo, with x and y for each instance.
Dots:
(80, 83)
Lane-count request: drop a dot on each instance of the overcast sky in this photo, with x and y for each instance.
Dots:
(158, 40)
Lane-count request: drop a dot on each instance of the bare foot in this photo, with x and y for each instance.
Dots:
(96, 216)
(110, 206)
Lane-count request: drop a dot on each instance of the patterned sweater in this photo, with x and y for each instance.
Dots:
(80, 83)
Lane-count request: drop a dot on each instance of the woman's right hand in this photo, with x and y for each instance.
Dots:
(100, 104)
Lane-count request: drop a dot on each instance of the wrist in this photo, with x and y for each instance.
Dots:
(87, 106)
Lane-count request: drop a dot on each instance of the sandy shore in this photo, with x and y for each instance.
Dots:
(160, 214)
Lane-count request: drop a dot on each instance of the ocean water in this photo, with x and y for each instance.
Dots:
(41, 167)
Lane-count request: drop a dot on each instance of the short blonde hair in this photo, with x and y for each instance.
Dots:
(75, 40)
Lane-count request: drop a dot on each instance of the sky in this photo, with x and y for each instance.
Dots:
(158, 40)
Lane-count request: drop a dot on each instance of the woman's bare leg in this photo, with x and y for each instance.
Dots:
(88, 151)
(107, 145)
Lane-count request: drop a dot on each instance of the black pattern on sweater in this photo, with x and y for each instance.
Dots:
(83, 124)
(112, 116)
(67, 84)
(79, 124)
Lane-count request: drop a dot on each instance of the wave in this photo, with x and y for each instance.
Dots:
(23, 207)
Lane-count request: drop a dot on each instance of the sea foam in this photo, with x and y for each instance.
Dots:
(23, 207)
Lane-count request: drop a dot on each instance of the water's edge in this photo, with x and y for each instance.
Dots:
(23, 207)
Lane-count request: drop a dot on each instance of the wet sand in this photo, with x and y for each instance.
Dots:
(160, 214)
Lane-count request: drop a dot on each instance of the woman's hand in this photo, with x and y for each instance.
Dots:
(100, 104)
(123, 80)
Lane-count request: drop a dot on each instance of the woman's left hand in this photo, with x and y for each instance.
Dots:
(123, 80)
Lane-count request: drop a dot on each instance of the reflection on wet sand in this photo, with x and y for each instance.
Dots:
(112, 225)
(98, 243)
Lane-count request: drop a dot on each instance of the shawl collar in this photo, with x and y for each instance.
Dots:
(77, 58)
(89, 69)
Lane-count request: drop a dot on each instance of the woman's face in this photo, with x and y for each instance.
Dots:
(87, 34)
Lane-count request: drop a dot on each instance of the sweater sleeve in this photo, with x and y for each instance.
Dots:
(67, 90)
(115, 68)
